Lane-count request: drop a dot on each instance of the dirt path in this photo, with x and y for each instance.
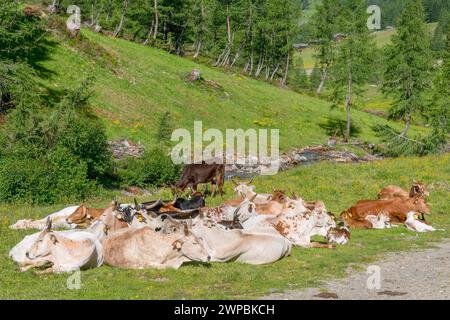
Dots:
(407, 275)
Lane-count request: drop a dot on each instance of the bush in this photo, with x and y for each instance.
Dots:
(53, 153)
(54, 177)
(154, 169)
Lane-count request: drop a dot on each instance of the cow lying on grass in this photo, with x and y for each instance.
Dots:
(140, 248)
(254, 246)
(57, 252)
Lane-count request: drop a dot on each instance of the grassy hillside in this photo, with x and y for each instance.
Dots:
(131, 94)
(338, 185)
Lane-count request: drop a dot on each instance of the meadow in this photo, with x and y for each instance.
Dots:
(338, 185)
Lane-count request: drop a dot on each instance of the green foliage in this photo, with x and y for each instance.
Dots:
(61, 148)
(298, 79)
(395, 145)
(154, 169)
(408, 64)
(333, 125)
(19, 34)
(55, 176)
(165, 128)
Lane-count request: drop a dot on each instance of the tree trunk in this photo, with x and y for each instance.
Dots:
(286, 70)
(322, 82)
(274, 72)
(199, 47)
(149, 33)
(407, 124)
(122, 18)
(156, 24)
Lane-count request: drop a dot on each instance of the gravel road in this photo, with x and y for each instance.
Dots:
(415, 275)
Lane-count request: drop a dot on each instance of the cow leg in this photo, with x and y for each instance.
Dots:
(37, 264)
(220, 183)
(213, 189)
(422, 217)
(321, 245)
(46, 271)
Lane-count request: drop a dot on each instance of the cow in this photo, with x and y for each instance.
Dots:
(59, 252)
(396, 209)
(141, 248)
(417, 189)
(58, 219)
(245, 190)
(297, 223)
(257, 246)
(84, 216)
(415, 225)
(245, 210)
(194, 174)
(338, 235)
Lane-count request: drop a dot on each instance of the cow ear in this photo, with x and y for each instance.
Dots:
(53, 239)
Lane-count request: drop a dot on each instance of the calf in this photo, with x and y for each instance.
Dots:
(417, 190)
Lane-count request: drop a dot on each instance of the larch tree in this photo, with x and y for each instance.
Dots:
(407, 73)
(354, 58)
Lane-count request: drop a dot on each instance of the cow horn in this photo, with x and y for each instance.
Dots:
(49, 224)
(235, 183)
(251, 180)
(155, 204)
(175, 197)
(136, 204)
(253, 198)
(186, 230)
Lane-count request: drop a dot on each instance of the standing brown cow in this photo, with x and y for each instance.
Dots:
(194, 174)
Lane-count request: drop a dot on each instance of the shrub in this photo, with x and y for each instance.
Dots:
(54, 177)
(154, 169)
(53, 153)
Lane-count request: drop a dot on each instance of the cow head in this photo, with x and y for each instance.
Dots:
(192, 246)
(421, 206)
(81, 216)
(42, 247)
(418, 189)
(322, 220)
(244, 189)
(279, 196)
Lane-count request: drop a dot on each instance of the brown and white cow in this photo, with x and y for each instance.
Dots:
(418, 189)
(396, 209)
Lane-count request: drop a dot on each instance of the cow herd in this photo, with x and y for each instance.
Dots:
(252, 228)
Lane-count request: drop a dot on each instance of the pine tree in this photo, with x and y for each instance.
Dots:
(354, 57)
(408, 65)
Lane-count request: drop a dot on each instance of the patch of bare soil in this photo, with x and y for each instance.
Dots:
(420, 275)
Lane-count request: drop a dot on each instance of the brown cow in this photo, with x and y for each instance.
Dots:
(84, 216)
(194, 174)
(417, 189)
(396, 209)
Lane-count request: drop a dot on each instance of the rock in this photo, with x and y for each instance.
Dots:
(123, 148)
(194, 75)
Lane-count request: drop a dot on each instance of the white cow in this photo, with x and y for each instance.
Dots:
(63, 251)
(140, 248)
(415, 225)
(256, 246)
(58, 220)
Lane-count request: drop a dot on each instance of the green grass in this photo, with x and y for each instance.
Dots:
(146, 82)
(339, 185)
